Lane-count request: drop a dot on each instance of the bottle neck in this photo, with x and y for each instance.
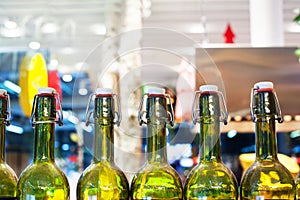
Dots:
(266, 142)
(210, 149)
(265, 109)
(104, 129)
(209, 112)
(2, 141)
(157, 117)
(44, 142)
(103, 141)
(156, 142)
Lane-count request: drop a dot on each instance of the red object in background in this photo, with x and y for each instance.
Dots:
(298, 160)
(73, 159)
(54, 82)
(229, 34)
(195, 160)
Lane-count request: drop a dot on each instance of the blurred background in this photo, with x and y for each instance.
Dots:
(130, 44)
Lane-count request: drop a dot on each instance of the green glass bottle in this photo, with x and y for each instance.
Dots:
(42, 179)
(103, 179)
(266, 178)
(8, 178)
(156, 179)
(210, 178)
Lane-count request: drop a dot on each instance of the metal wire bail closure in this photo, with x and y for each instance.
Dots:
(118, 113)
(7, 112)
(59, 112)
(59, 116)
(142, 113)
(171, 115)
(89, 114)
(252, 105)
(279, 117)
(196, 108)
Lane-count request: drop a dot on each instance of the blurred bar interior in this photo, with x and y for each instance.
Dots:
(103, 43)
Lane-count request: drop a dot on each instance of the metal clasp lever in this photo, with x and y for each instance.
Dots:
(196, 109)
(8, 111)
(279, 117)
(118, 113)
(171, 115)
(142, 113)
(59, 115)
(89, 114)
(59, 111)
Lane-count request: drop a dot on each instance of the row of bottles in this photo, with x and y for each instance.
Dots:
(267, 178)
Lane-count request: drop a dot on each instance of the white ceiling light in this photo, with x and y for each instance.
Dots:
(11, 29)
(67, 78)
(68, 50)
(34, 45)
(49, 28)
(10, 24)
(83, 91)
(11, 33)
(196, 28)
(98, 29)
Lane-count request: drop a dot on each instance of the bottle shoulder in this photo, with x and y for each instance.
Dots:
(8, 181)
(104, 180)
(267, 173)
(156, 182)
(211, 172)
(211, 166)
(152, 174)
(267, 181)
(7, 173)
(44, 173)
(102, 171)
(157, 167)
